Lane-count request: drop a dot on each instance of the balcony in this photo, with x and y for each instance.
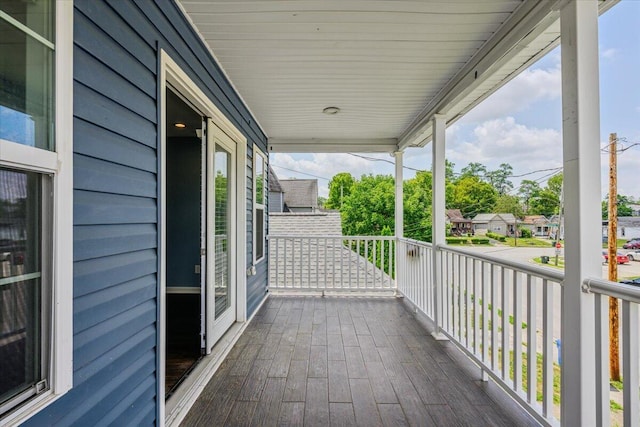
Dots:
(463, 337)
(347, 361)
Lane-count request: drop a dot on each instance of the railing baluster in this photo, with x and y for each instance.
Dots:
(487, 273)
(308, 263)
(630, 371)
(277, 263)
(517, 332)
(467, 304)
(532, 340)
(477, 295)
(547, 349)
(506, 337)
(494, 318)
(602, 360)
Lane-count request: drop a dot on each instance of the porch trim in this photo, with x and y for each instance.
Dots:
(319, 145)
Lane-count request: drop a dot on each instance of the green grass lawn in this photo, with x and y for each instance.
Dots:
(528, 242)
(552, 262)
(619, 243)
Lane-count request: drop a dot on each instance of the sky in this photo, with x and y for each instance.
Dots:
(521, 123)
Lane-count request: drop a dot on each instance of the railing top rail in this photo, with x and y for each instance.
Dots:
(545, 273)
(320, 236)
(415, 242)
(612, 289)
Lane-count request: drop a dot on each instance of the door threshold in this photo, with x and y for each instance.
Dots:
(177, 406)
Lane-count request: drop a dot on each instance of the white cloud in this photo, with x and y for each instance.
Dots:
(529, 87)
(610, 53)
(504, 140)
(326, 166)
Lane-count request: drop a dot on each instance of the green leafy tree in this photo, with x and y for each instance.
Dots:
(418, 198)
(509, 204)
(499, 178)
(370, 206)
(339, 189)
(527, 190)
(474, 169)
(473, 196)
(623, 206)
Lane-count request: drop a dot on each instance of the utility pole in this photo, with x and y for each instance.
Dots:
(614, 356)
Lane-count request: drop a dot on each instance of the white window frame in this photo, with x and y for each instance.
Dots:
(258, 154)
(59, 165)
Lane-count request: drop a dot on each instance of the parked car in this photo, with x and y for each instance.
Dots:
(634, 282)
(621, 258)
(632, 244)
(633, 255)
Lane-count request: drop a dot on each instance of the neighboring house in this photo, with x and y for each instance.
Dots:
(628, 227)
(556, 227)
(300, 195)
(459, 224)
(276, 193)
(635, 209)
(501, 223)
(539, 225)
(314, 240)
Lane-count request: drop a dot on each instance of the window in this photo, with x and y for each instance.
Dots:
(259, 197)
(35, 205)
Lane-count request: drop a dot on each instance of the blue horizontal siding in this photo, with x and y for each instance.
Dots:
(115, 210)
(94, 241)
(104, 144)
(99, 273)
(91, 174)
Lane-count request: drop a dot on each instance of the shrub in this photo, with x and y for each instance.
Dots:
(457, 240)
(480, 241)
(525, 232)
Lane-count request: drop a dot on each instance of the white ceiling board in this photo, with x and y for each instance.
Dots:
(382, 62)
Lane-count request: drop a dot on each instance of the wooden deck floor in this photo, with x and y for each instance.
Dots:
(347, 361)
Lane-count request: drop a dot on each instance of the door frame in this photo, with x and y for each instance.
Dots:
(216, 327)
(171, 73)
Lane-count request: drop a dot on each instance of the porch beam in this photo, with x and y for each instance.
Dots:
(438, 207)
(320, 145)
(581, 157)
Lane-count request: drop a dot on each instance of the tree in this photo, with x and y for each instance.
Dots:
(339, 189)
(509, 204)
(473, 196)
(322, 201)
(499, 178)
(545, 202)
(474, 169)
(623, 206)
(418, 198)
(527, 190)
(369, 208)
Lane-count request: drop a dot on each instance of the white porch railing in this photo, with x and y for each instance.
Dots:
(504, 315)
(629, 296)
(331, 263)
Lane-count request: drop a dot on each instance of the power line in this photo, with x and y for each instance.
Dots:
(300, 172)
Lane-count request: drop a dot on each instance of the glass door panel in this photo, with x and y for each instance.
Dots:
(222, 226)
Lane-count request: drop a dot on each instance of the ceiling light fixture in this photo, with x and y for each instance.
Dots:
(180, 125)
(331, 110)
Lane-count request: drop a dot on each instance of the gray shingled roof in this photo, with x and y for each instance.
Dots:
(300, 193)
(274, 183)
(305, 224)
(314, 262)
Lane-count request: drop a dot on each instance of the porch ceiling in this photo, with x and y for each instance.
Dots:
(388, 65)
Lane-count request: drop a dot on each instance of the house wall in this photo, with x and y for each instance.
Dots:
(115, 212)
(275, 201)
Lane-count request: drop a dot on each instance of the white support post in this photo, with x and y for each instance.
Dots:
(581, 152)
(438, 218)
(399, 215)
